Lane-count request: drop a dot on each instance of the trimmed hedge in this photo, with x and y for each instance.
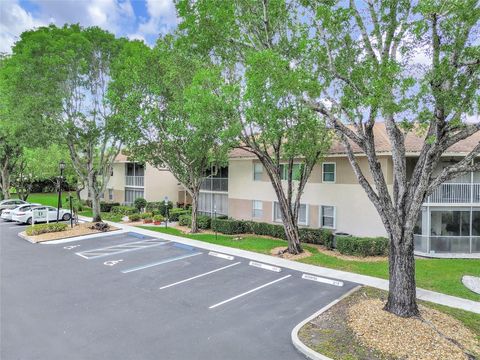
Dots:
(203, 221)
(124, 210)
(174, 214)
(45, 228)
(229, 226)
(362, 246)
(107, 207)
(159, 218)
(232, 226)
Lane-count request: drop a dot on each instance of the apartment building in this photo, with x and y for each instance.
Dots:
(332, 199)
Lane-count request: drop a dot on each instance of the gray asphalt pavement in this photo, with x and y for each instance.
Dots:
(125, 297)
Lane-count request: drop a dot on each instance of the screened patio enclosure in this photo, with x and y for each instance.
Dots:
(448, 230)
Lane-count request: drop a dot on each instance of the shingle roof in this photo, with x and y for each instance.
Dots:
(413, 144)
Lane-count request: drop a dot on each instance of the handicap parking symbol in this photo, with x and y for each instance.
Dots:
(112, 262)
(70, 247)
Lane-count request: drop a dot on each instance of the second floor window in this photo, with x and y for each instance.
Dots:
(296, 171)
(328, 172)
(257, 171)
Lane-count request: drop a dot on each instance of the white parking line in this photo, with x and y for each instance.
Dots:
(199, 276)
(121, 248)
(249, 291)
(222, 256)
(160, 262)
(322, 280)
(17, 226)
(264, 266)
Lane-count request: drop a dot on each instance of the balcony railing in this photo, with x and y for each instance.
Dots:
(215, 184)
(447, 244)
(137, 181)
(455, 193)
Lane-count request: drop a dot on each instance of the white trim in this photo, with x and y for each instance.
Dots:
(320, 223)
(307, 214)
(334, 172)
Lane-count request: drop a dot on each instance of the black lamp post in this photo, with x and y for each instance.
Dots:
(61, 166)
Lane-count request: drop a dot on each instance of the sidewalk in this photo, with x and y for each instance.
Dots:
(422, 294)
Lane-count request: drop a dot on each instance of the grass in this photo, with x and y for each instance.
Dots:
(441, 275)
(48, 199)
(105, 215)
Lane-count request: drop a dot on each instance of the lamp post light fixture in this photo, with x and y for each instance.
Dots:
(61, 167)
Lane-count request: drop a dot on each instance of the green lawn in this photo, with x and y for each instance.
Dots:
(105, 215)
(442, 275)
(49, 199)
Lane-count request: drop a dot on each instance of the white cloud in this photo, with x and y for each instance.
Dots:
(162, 17)
(13, 21)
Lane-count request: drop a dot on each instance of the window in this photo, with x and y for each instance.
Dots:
(209, 203)
(297, 170)
(132, 194)
(302, 213)
(328, 172)
(110, 194)
(257, 209)
(327, 217)
(257, 171)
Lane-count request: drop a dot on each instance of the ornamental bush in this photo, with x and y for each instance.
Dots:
(185, 220)
(107, 207)
(203, 221)
(362, 246)
(158, 218)
(229, 226)
(45, 228)
(158, 207)
(140, 203)
(134, 217)
(175, 213)
(124, 210)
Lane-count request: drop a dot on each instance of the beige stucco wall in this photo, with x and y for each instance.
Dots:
(160, 183)
(355, 213)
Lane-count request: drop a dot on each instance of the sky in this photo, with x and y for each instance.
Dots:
(135, 19)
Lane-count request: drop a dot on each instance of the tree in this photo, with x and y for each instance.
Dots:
(365, 61)
(261, 45)
(40, 164)
(178, 119)
(65, 80)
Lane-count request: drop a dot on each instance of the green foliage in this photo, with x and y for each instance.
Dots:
(175, 213)
(134, 217)
(204, 222)
(229, 226)
(159, 207)
(45, 228)
(107, 206)
(232, 226)
(362, 246)
(158, 218)
(124, 210)
(140, 203)
(146, 215)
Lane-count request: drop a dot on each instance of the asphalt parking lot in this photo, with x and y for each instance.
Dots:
(125, 296)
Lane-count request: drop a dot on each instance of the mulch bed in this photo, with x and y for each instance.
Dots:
(359, 328)
(280, 252)
(77, 230)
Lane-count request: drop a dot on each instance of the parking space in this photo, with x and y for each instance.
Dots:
(127, 296)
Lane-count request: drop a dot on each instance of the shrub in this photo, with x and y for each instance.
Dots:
(229, 226)
(158, 207)
(175, 213)
(329, 242)
(107, 207)
(140, 203)
(185, 220)
(158, 218)
(124, 210)
(316, 236)
(134, 217)
(45, 228)
(146, 215)
(260, 228)
(202, 220)
(362, 246)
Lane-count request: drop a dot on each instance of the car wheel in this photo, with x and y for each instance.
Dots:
(66, 217)
(29, 221)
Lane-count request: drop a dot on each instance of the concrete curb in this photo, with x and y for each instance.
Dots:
(299, 345)
(422, 294)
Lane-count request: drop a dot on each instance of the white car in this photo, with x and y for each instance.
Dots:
(41, 213)
(7, 213)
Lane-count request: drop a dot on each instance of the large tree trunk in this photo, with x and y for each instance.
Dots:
(96, 208)
(402, 289)
(194, 225)
(290, 224)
